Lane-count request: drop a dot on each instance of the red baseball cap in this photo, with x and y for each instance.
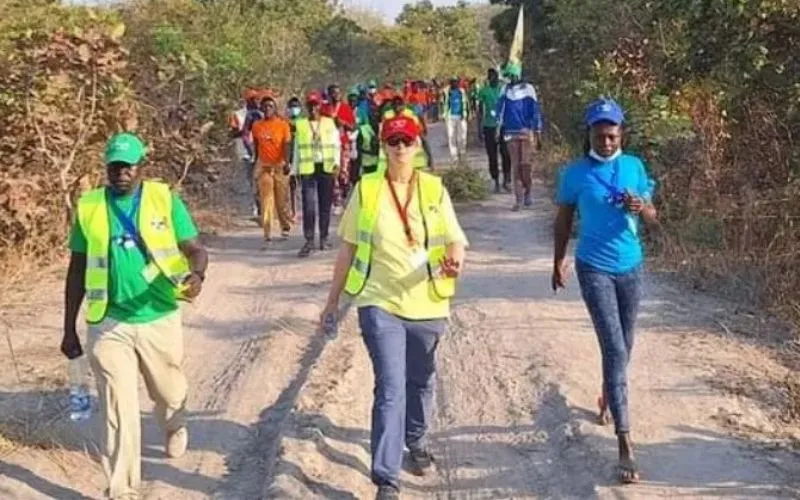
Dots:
(400, 126)
(313, 98)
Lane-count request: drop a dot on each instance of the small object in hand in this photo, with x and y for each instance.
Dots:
(450, 267)
(80, 401)
(330, 326)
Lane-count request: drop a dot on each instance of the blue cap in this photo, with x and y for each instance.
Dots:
(604, 110)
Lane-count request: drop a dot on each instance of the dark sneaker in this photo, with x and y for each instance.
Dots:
(325, 245)
(420, 461)
(306, 250)
(496, 188)
(528, 201)
(387, 492)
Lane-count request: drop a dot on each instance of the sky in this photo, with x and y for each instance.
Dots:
(391, 8)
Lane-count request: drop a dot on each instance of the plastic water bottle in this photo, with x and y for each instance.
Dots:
(330, 323)
(330, 326)
(80, 399)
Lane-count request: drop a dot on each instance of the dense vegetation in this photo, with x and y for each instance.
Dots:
(173, 70)
(713, 92)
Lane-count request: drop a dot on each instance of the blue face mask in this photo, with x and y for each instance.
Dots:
(294, 111)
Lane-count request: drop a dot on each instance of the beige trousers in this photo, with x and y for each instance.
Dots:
(118, 352)
(273, 192)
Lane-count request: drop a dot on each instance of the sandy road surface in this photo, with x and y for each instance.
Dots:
(277, 413)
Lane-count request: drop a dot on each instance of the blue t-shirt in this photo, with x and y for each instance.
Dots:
(608, 236)
(456, 103)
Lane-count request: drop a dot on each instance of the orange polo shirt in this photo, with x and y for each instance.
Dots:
(271, 137)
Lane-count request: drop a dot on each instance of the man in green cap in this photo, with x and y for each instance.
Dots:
(519, 120)
(488, 96)
(135, 254)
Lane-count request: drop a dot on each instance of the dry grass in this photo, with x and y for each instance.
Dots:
(38, 420)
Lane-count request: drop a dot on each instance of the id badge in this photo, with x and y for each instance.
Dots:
(318, 157)
(128, 243)
(419, 258)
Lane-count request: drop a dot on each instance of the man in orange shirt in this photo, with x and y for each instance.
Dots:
(386, 94)
(272, 138)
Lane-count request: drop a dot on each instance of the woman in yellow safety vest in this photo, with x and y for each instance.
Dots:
(402, 250)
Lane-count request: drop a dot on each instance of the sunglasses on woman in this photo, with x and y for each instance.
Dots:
(395, 141)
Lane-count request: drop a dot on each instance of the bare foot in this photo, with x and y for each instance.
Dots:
(628, 472)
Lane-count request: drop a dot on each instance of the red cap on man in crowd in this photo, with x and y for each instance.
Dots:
(401, 126)
(313, 97)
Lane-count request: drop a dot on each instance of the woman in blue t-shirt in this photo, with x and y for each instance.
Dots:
(611, 191)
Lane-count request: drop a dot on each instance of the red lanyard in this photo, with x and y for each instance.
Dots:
(402, 211)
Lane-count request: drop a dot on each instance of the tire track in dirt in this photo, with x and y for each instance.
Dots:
(253, 466)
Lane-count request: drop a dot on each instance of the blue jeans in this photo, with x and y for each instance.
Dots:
(613, 303)
(316, 190)
(403, 361)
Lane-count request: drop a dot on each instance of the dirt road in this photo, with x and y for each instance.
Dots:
(278, 413)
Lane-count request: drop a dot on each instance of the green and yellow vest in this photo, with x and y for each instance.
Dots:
(430, 193)
(155, 230)
(369, 159)
(305, 145)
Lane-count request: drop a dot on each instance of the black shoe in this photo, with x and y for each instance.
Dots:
(306, 250)
(325, 245)
(507, 187)
(496, 187)
(387, 492)
(420, 461)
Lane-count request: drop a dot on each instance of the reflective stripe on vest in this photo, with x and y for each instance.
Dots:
(305, 145)
(430, 194)
(155, 228)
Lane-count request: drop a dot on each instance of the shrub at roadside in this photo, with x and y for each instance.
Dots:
(465, 184)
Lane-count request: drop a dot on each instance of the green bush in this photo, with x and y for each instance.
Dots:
(465, 184)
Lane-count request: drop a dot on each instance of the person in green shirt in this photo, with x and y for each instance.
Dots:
(488, 130)
(152, 259)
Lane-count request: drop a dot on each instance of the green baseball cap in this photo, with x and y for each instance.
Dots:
(512, 69)
(125, 148)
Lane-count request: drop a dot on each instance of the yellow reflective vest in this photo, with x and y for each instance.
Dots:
(304, 140)
(430, 193)
(155, 229)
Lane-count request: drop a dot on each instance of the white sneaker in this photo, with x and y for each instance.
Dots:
(177, 442)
